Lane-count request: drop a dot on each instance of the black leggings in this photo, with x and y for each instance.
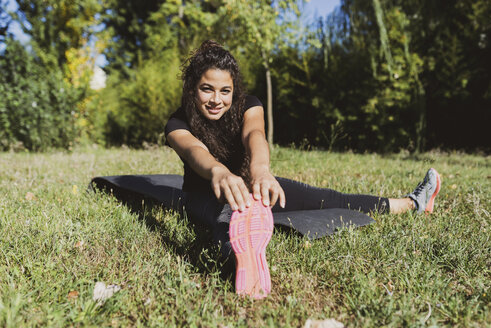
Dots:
(204, 208)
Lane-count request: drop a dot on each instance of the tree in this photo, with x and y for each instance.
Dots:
(133, 27)
(260, 26)
(125, 24)
(399, 92)
(451, 40)
(190, 22)
(57, 26)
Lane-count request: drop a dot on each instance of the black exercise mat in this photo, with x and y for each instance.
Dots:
(320, 223)
(165, 190)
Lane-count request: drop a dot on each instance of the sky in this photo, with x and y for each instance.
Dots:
(14, 26)
(318, 8)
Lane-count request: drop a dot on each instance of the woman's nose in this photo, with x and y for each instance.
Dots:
(216, 98)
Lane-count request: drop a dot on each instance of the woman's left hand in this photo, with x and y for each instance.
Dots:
(266, 187)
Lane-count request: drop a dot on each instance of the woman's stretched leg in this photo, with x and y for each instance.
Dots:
(205, 209)
(301, 196)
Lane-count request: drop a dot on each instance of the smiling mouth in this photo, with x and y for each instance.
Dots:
(213, 110)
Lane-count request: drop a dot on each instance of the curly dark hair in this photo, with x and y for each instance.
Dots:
(223, 136)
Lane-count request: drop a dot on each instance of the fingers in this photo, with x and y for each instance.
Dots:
(265, 194)
(256, 191)
(245, 194)
(217, 190)
(235, 192)
(274, 195)
(238, 198)
(277, 193)
(269, 193)
(282, 198)
(229, 196)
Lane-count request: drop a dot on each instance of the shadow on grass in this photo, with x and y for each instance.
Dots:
(191, 241)
(149, 195)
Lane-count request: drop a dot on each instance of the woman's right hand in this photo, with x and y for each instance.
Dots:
(230, 187)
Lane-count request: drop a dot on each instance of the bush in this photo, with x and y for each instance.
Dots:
(36, 104)
(136, 109)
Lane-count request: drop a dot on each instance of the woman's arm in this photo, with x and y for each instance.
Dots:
(225, 184)
(264, 184)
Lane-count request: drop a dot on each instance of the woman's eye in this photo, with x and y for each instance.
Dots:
(225, 92)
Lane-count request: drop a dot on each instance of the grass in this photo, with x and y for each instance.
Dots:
(57, 241)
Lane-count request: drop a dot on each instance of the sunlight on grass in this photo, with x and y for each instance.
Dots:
(57, 241)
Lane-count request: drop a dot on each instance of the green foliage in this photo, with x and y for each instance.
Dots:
(365, 78)
(137, 108)
(135, 27)
(453, 40)
(187, 23)
(125, 23)
(374, 75)
(261, 27)
(36, 104)
(392, 112)
(56, 26)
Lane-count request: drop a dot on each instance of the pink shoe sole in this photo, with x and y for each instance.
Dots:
(429, 206)
(250, 232)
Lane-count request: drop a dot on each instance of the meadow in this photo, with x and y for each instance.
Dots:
(57, 240)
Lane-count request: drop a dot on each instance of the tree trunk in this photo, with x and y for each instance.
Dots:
(270, 100)
(270, 107)
(421, 124)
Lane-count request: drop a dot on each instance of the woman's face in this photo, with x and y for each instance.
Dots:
(215, 92)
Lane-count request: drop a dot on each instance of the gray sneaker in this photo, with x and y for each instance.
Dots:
(426, 191)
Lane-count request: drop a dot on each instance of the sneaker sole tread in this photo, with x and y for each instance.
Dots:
(250, 232)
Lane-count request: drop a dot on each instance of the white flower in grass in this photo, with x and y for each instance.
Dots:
(103, 292)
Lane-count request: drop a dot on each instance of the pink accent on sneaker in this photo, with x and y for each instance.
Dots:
(431, 202)
(250, 232)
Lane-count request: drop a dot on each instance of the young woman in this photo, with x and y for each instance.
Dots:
(218, 132)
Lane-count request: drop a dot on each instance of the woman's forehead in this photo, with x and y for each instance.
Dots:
(216, 77)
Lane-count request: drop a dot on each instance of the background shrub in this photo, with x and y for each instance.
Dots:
(136, 109)
(36, 104)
